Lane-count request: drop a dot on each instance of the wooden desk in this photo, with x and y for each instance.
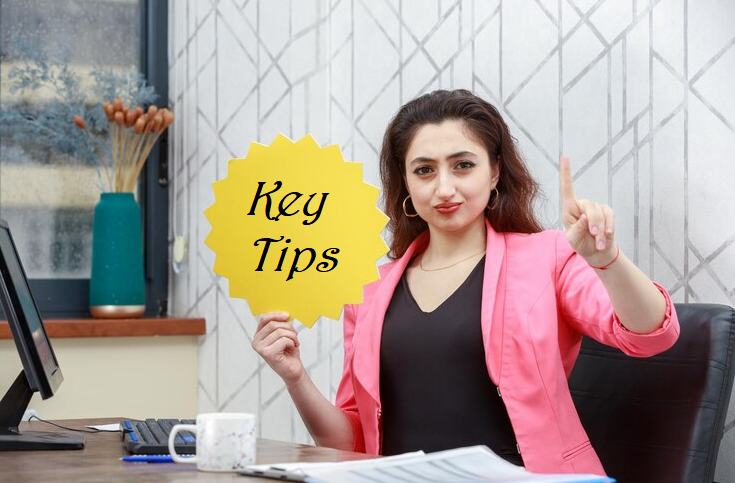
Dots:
(99, 460)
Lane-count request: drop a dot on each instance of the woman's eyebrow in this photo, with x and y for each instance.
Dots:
(460, 154)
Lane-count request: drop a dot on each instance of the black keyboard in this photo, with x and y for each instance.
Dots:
(151, 436)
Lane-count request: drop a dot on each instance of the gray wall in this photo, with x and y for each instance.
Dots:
(638, 93)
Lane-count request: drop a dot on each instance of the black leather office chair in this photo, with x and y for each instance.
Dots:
(660, 419)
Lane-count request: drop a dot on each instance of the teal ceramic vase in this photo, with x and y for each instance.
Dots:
(117, 284)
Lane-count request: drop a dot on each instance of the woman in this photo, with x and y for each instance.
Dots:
(472, 330)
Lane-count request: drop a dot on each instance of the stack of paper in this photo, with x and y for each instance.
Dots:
(474, 464)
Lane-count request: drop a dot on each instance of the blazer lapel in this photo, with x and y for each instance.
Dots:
(369, 328)
(491, 285)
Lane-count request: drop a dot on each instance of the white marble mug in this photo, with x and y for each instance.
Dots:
(224, 441)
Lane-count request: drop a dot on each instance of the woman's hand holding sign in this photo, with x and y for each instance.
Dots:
(277, 343)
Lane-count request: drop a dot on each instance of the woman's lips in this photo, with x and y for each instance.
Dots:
(447, 208)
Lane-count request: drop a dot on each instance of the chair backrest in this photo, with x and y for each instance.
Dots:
(660, 419)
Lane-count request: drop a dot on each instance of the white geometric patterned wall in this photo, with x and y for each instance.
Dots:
(638, 93)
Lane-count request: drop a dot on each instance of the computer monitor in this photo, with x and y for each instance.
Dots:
(41, 372)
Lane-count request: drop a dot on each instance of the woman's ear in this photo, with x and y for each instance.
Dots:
(495, 172)
(405, 182)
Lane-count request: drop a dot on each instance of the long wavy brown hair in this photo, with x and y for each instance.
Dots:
(517, 190)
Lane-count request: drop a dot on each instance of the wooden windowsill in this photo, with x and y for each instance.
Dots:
(143, 327)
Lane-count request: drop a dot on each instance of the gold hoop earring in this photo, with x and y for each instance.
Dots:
(493, 201)
(405, 212)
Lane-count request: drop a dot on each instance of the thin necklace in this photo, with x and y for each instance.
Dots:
(421, 263)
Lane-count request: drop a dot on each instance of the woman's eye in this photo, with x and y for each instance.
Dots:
(465, 164)
(422, 170)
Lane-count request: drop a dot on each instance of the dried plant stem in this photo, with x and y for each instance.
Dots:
(130, 142)
(113, 140)
(121, 160)
(101, 158)
(150, 142)
(130, 180)
(120, 154)
(115, 136)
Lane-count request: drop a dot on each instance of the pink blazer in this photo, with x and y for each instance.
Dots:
(539, 297)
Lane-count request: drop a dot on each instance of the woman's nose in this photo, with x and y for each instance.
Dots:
(445, 186)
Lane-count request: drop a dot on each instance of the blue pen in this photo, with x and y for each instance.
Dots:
(152, 458)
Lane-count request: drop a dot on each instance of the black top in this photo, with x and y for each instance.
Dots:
(434, 384)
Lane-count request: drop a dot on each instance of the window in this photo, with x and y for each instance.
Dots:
(48, 198)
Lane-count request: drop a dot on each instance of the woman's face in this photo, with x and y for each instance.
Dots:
(448, 176)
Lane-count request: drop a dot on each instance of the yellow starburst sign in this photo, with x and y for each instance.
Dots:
(295, 228)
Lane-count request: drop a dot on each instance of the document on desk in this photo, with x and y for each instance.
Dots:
(474, 464)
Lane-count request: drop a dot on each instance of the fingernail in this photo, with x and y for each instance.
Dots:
(608, 230)
(594, 230)
(601, 245)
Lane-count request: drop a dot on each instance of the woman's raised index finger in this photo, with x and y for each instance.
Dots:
(565, 180)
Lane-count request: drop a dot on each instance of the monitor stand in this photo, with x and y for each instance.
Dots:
(12, 407)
